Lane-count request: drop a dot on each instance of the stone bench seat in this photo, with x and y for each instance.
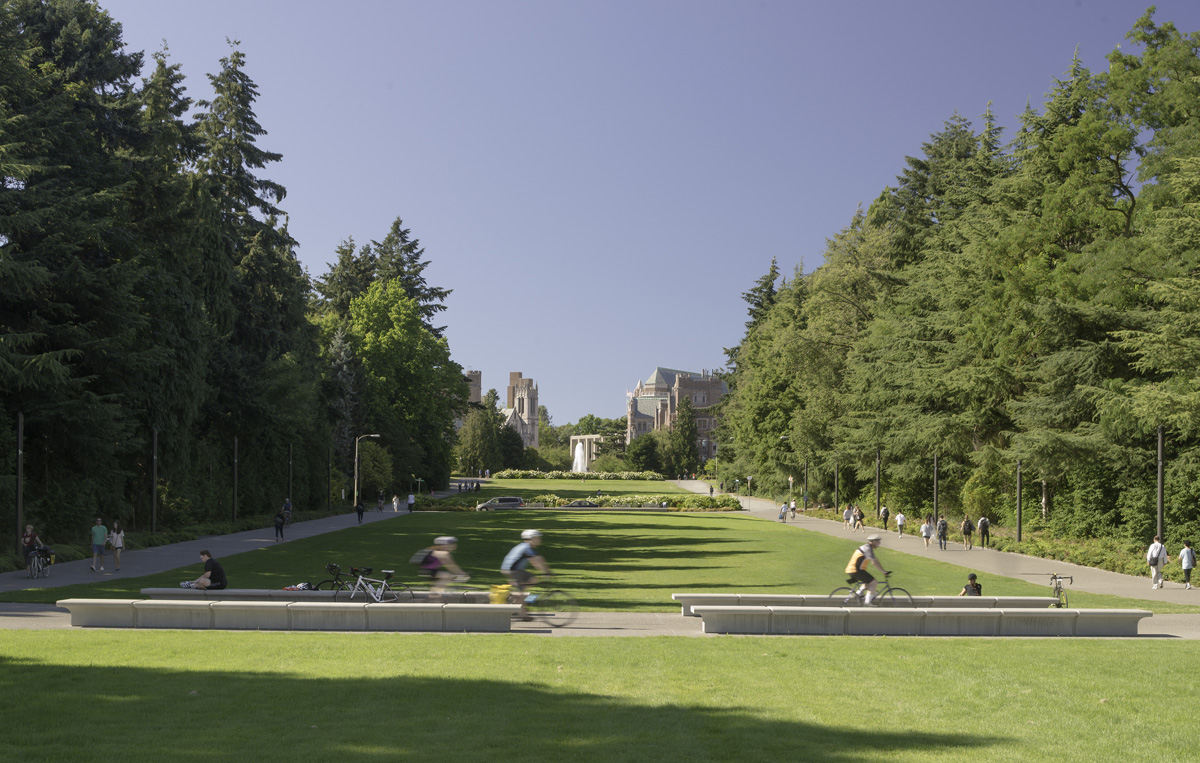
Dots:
(200, 614)
(689, 600)
(915, 621)
(277, 594)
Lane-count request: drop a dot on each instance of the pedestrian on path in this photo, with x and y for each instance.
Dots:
(116, 539)
(1187, 560)
(1156, 557)
(360, 509)
(280, 520)
(927, 530)
(412, 501)
(783, 508)
(793, 507)
(900, 520)
(858, 520)
(985, 536)
(99, 535)
(943, 533)
(396, 503)
(968, 528)
(885, 515)
(847, 515)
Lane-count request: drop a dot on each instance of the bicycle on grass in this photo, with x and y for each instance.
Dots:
(374, 589)
(1056, 589)
(887, 596)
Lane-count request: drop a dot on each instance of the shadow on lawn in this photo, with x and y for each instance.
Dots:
(212, 715)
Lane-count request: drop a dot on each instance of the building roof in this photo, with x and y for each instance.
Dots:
(646, 406)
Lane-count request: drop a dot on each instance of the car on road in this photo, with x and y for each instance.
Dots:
(583, 504)
(501, 502)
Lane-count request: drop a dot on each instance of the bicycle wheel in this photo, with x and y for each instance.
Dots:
(557, 608)
(45, 568)
(895, 597)
(35, 566)
(844, 597)
(343, 592)
(1062, 600)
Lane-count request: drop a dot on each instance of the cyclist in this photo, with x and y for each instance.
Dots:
(516, 566)
(972, 588)
(440, 566)
(857, 568)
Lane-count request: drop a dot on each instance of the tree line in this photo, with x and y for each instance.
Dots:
(150, 290)
(1030, 302)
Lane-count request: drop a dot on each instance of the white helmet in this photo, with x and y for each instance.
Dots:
(445, 540)
(530, 534)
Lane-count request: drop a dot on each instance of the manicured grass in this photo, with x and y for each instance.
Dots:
(625, 561)
(573, 489)
(208, 696)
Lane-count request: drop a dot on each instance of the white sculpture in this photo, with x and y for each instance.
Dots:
(580, 464)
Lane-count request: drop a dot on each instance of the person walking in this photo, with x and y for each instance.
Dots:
(395, 504)
(1156, 557)
(985, 535)
(1187, 561)
(943, 532)
(927, 530)
(968, 530)
(847, 515)
(360, 509)
(412, 502)
(858, 520)
(885, 515)
(783, 508)
(900, 520)
(99, 535)
(116, 539)
(280, 520)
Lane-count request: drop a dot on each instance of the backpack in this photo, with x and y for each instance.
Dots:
(942, 527)
(983, 523)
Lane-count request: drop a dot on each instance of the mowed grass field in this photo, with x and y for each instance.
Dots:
(573, 489)
(214, 696)
(612, 560)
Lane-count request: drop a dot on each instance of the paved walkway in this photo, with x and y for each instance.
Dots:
(163, 558)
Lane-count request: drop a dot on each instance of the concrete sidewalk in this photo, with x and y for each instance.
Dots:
(148, 561)
(981, 560)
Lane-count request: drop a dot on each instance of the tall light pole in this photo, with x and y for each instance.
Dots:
(356, 441)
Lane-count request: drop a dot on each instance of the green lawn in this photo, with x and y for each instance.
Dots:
(216, 696)
(613, 560)
(573, 489)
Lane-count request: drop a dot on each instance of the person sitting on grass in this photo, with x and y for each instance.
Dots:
(971, 588)
(213, 578)
(440, 566)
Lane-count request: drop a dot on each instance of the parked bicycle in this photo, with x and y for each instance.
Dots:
(374, 589)
(886, 596)
(336, 583)
(1056, 588)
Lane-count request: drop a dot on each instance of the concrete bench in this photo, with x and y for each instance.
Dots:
(689, 600)
(236, 594)
(906, 621)
(199, 614)
(101, 613)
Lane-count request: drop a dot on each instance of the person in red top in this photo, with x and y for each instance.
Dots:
(30, 541)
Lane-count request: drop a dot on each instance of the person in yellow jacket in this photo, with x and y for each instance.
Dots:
(863, 556)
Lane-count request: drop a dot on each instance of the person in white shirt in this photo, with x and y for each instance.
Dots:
(1187, 560)
(927, 531)
(1157, 558)
(900, 520)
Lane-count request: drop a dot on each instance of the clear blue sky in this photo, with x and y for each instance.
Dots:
(599, 182)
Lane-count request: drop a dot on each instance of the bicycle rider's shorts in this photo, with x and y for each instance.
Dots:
(862, 576)
(520, 578)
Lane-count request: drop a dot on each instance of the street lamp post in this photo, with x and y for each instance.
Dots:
(356, 441)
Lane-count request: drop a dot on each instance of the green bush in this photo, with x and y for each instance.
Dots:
(526, 474)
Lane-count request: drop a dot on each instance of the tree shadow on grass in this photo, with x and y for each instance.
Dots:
(215, 715)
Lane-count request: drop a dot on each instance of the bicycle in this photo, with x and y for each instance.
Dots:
(1056, 588)
(887, 596)
(39, 562)
(287, 518)
(336, 583)
(375, 589)
(555, 607)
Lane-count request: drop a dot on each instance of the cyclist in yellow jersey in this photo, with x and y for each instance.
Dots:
(857, 568)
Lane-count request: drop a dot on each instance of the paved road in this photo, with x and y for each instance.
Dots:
(163, 558)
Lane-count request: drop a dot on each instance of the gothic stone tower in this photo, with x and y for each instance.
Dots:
(522, 411)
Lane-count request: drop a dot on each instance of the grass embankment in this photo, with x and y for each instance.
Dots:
(97, 695)
(616, 561)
